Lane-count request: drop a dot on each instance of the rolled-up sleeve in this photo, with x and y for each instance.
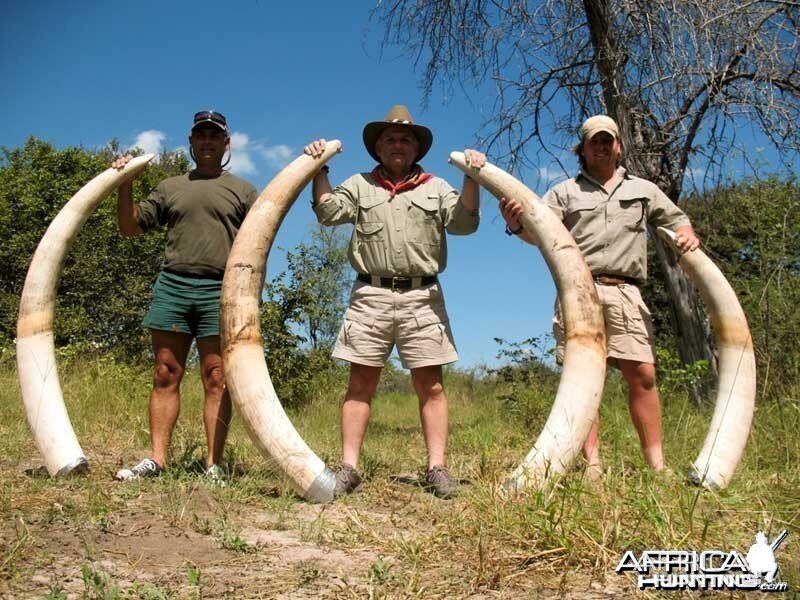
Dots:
(662, 212)
(457, 218)
(340, 207)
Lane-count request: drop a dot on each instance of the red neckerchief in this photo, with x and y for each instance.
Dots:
(416, 178)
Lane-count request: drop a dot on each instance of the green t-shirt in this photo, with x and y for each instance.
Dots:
(202, 216)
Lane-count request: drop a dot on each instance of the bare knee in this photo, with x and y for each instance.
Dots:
(214, 378)
(363, 382)
(428, 382)
(647, 379)
(640, 376)
(167, 375)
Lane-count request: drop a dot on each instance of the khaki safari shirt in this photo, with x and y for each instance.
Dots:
(610, 227)
(202, 216)
(401, 235)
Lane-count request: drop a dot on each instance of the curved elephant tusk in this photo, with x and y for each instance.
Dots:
(36, 362)
(246, 373)
(581, 386)
(733, 413)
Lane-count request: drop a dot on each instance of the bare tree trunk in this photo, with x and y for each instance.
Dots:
(692, 329)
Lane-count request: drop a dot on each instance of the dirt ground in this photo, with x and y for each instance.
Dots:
(140, 549)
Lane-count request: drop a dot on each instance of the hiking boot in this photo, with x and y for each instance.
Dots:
(347, 479)
(439, 482)
(216, 475)
(147, 467)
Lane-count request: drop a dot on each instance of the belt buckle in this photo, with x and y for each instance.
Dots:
(396, 281)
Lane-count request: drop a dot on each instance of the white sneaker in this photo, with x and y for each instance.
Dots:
(147, 467)
(216, 474)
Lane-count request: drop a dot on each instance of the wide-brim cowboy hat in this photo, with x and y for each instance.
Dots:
(397, 115)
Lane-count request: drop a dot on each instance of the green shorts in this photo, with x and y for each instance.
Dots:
(185, 304)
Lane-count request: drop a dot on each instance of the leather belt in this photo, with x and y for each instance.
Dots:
(398, 283)
(614, 279)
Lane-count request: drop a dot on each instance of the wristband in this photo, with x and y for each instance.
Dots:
(514, 232)
(325, 169)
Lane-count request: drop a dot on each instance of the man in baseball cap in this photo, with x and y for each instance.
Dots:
(201, 212)
(607, 211)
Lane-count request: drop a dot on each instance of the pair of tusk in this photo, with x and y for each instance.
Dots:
(252, 391)
(251, 388)
(36, 359)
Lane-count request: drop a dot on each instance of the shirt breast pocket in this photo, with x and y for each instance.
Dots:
(579, 211)
(372, 209)
(424, 208)
(633, 213)
(424, 221)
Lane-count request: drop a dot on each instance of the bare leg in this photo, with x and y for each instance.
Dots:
(645, 409)
(432, 411)
(217, 404)
(170, 350)
(591, 447)
(356, 410)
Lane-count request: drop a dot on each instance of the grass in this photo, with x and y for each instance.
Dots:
(91, 537)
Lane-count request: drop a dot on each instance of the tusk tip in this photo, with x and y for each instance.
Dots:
(321, 489)
(79, 466)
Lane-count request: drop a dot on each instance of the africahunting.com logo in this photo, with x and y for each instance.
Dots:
(708, 569)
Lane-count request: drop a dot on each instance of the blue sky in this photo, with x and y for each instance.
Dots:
(83, 73)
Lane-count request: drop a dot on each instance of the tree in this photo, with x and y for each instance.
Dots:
(105, 283)
(321, 272)
(680, 77)
(302, 311)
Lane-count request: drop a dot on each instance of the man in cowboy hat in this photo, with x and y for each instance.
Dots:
(398, 247)
(607, 210)
(202, 212)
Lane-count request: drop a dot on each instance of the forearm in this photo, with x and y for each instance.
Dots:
(126, 211)
(470, 194)
(321, 188)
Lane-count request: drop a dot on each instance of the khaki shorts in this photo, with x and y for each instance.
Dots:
(413, 320)
(629, 326)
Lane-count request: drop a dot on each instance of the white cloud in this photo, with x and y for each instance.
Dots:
(241, 161)
(277, 156)
(150, 141)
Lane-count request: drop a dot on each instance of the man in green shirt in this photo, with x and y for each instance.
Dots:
(398, 247)
(607, 210)
(202, 212)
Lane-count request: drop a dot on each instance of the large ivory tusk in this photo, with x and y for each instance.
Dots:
(246, 371)
(736, 393)
(36, 362)
(583, 376)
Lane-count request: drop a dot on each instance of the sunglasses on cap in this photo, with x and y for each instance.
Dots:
(210, 115)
